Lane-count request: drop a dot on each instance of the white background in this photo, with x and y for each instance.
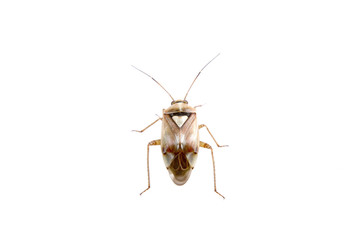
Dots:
(284, 94)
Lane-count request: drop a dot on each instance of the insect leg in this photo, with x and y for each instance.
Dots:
(205, 145)
(203, 125)
(152, 143)
(147, 126)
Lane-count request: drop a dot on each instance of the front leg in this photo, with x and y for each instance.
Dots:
(140, 131)
(203, 125)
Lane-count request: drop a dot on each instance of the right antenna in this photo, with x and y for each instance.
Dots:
(199, 74)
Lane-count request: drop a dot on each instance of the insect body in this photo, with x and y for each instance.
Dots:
(180, 139)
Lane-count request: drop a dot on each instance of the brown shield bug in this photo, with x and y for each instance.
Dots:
(180, 138)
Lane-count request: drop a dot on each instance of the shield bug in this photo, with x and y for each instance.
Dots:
(180, 141)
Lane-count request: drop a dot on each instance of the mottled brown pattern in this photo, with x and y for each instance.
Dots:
(180, 169)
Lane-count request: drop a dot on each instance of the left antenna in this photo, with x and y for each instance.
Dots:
(154, 80)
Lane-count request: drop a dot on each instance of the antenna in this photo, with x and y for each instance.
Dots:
(154, 80)
(199, 74)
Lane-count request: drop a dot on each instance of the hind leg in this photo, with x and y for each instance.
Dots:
(152, 143)
(205, 145)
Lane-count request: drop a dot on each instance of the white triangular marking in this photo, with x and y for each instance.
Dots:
(179, 120)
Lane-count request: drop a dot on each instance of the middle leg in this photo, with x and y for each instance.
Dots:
(203, 125)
